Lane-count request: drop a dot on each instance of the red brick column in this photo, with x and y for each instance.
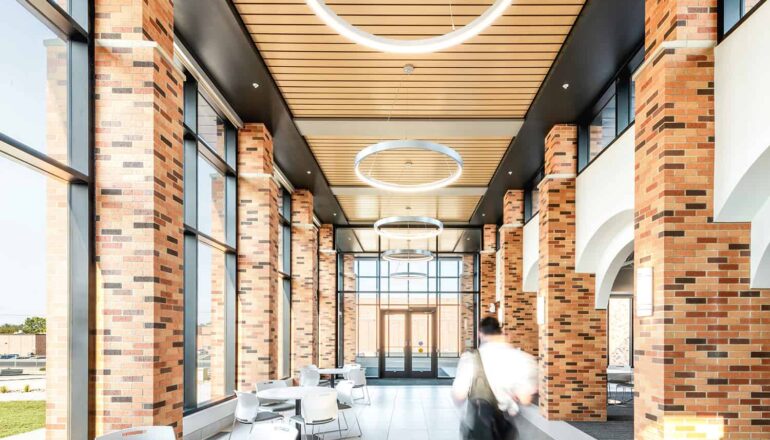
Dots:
(573, 340)
(257, 301)
(137, 366)
(467, 303)
(327, 298)
(304, 282)
(701, 360)
(519, 323)
(488, 275)
(349, 309)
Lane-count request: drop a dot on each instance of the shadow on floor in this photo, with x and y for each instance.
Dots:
(619, 424)
(408, 382)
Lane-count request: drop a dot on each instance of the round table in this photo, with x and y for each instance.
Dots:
(293, 393)
(333, 372)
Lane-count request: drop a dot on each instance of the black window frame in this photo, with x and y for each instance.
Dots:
(74, 26)
(196, 147)
(532, 206)
(284, 222)
(731, 14)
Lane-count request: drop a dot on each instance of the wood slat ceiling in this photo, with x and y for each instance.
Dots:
(337, 157)
(494, 75)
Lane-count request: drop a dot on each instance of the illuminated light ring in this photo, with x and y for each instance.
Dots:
(408, 275)
(411, 144)
(410, 233)
(424, 45)
(407, 255)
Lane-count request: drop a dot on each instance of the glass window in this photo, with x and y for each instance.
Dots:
(211, 324)
(34, 83)
(34, 333)
(602, 130)
(211, 200)
(211, 128)
(620, 330)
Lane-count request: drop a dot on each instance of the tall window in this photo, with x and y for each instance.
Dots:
(45, 181)
(620, 334)
(284, 283)
(532, 195)
(210, 254)
(731, 12)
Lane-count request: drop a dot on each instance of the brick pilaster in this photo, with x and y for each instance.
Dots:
(137, 366)
(327, 298)
(519, 323)
(701, 359)
(488, 275)
(349, 309)
(573, 340)
(304, 282)
(257, 302)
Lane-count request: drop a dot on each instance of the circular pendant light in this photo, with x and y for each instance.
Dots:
(399, 154)
(425, 45)
(408, 227)
(407, 255)
(408, 275)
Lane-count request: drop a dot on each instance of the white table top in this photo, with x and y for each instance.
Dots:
(292, 393)
(332, 370)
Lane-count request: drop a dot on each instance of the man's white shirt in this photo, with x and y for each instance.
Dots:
(509, 371)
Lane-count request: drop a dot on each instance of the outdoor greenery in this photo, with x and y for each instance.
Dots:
(21, 416)
(34, 325)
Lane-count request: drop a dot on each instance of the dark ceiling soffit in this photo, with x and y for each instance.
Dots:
(215, 34)
(605, 35)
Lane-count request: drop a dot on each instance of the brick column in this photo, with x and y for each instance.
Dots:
(519, 325)
(137, 369)
(257, 301)
(304, 283)
(573, 341)
(467, 303)
(327, 298)
(701, 360)
(488, 275)
(349, 309)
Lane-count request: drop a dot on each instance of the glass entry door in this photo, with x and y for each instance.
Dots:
(408, 343)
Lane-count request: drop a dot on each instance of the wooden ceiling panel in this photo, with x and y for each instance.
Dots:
(370, 208)
(322, 74)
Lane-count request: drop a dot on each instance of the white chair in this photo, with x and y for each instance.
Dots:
(247, 411)
(358, 377)
(345, 401)
(270, 404)
(347, 367)
(309, 377)
(319, 409)
(273, 431)
(141, 433)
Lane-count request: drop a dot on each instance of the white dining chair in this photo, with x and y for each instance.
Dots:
(273, 431)
(319, 409)
(347, 367)
(247, 411)
(345, 402)
(358, 377)
(309, 377)
(270, 404)
(141, 433)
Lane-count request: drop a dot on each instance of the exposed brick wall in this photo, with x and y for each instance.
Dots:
(304, 284)
(488, 275)
(138, 311)
(519, 323)
(573, 340)
(467, 309)
(349, 309)
(703, 357)
(257, 301)
(327, 298)
(679, 20)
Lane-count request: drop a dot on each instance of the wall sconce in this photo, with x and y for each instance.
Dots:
(644, 292)
(540, 310)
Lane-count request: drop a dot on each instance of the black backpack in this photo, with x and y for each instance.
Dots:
(483, 418)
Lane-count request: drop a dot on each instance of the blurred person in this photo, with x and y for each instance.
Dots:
(493, 382)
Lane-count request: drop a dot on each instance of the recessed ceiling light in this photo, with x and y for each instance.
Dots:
(565, 86)
(468, 239)
(483, 214)
(334, 214)
(308, 171)
(510, 173)
(255, 85)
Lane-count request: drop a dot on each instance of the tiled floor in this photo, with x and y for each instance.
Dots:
(409, 412)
